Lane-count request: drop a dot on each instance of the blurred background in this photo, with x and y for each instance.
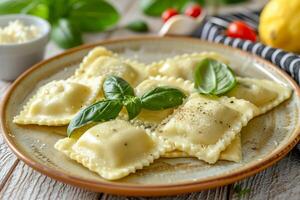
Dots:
(85, 21)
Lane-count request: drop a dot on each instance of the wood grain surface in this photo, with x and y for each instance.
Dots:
(18, 181)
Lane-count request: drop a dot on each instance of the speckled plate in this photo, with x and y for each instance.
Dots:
(265, 139)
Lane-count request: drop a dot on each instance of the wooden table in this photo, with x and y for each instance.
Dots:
(18, 181)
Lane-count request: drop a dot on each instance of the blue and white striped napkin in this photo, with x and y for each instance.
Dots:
(213, 30)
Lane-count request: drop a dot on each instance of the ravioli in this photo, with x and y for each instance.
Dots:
(57, 102)
(264, 94)
(100, 62)
(113, 149)
(151, 119)
(232, 153)
(204, 126)
(181, 66)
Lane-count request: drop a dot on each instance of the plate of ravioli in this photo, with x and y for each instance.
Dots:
(152, 116)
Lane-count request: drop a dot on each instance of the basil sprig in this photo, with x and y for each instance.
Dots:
(162, 98)
(99, 112)
(213, 77)
(116, 88)
(133, 106)
(119, 93)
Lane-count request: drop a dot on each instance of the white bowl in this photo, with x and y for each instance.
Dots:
(16, 58)
(182, 25)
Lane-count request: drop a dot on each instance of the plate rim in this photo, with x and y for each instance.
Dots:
(153, 189)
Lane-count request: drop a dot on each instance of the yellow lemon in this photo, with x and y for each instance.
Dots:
(279, 24)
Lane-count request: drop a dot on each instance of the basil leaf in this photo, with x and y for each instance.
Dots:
(15, 6)
(162, 98)
(138, 26)
(66, 34)
(93, 15)
(116, 88)
(133, 106)
(225, 78)
(213, 77)
(205, 77)
(99, 112)
(156, 7)
(39, 10)
(58, 9)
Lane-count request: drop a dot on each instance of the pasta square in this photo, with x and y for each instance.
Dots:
(233, 152)
(101, 62)
(205, 126)
(114, 149)
(264, 94)
(57, 102)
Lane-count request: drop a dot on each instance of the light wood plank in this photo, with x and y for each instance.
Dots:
(214, 194)
(7, 158)
(280, 181)
(7, 162)
(25, 183)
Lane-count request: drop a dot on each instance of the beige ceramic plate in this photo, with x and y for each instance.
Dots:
(266, 139)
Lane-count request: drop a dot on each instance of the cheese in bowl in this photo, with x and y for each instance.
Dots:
(17, 32)
(23, 39)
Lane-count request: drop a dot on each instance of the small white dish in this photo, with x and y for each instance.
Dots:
(17, 57)
(181, 25)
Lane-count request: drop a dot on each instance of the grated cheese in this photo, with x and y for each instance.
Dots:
(18, 32)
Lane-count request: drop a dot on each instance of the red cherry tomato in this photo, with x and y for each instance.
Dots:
(167, 14)
(193, 11)
(239, 29)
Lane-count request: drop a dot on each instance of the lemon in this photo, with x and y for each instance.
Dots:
(279, 25)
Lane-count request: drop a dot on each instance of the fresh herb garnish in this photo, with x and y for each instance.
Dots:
(99, 112)
(119, 93)
(138, 26)
(115, 87)
(213, 77)
(241, 192)
(162, 98)
(69, 18)
(133, 106)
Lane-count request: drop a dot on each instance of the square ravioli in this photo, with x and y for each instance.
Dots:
(150, 118)
(264, 94)
(204, 126)
(114, 149)
(57, 102)
(233, 152)
(181, 66)
(101, 62)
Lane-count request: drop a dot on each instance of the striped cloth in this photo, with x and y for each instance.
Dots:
(213, 29)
